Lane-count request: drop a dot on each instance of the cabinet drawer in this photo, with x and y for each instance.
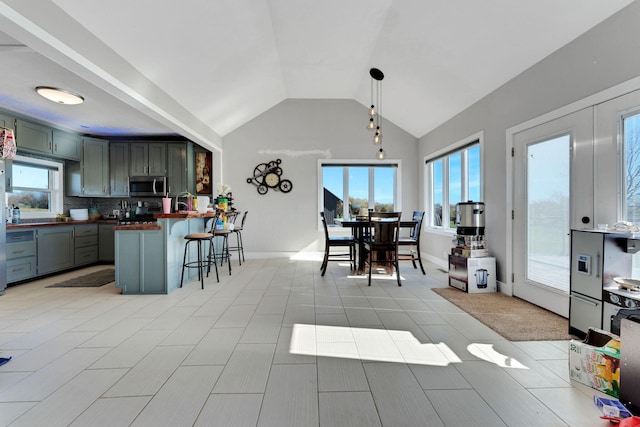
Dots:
(585, 313)
(86, 230)
(86, 255)
(18, 250)
(84, 241)
(21, 269)
(20, 236)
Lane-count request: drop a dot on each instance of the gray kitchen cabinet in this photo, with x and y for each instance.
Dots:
(95, 167)
(21, 254)
(85, 243)
(33, 137)
(177, 167)
(66, 145)
(55, 249)
(139, 257)
(119, 169)
(106, 243)
(36, 138)
(147, 159)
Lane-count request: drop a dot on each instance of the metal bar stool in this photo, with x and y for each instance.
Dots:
(199, 239)
(237, 230)
(224, 251)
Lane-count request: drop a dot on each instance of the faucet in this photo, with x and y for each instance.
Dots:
(177, 203)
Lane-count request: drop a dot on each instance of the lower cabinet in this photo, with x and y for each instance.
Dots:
(55, 249)
(21, 255)
(85, 244)
(139, 261)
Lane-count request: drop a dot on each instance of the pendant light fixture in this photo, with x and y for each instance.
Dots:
(375, 113)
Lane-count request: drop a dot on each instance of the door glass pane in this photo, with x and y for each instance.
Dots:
(383, 185)
(632, 167)
(548, 241)
(358, 189)
(437, 192)
(332, 179)
(455, 186)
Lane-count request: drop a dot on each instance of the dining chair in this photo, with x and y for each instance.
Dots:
(237, 230)
(382, 243)
(337, 242)
(412, 243)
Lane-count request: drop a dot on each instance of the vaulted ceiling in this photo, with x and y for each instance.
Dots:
(204, 68)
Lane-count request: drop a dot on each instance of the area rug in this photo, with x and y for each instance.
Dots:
(95, 279)
(511, 317)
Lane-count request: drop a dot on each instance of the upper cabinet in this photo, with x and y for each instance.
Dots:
(33, 137)
(147, 159)
(95, 167)
(67, 145)
(119, 168)
(177, 167)
(36, 138)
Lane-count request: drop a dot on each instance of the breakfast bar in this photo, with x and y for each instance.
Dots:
(148, 257)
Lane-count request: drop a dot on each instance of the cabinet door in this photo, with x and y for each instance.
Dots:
(119, 169)
(106, 245)
(157, 159)
(33, 137)
(95, 167)
(587, 255)
(176, 167)
(55, 249)
(67, 145)
(138, 159)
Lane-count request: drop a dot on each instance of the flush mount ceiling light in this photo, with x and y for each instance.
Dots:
(375, 113)
(59, 96)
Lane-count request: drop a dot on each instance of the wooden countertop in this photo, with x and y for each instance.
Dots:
(149, 226)
(59, 223)
(185, 214)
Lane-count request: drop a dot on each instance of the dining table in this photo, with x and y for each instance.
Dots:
(358, 227)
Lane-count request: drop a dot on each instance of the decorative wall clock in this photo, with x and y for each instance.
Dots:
(269, 175)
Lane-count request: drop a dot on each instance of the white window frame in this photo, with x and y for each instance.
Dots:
(463, 144)
(56, 173)
(397, 198)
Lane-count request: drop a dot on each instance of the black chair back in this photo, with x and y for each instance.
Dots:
(384, 228)
(418, 216)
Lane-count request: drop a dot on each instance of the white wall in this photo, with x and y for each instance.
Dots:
(603, 57)
(300, 132)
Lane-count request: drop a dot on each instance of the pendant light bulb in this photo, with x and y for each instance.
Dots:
(381, 154)
(372, 124)
(372, 111)
(377, 138)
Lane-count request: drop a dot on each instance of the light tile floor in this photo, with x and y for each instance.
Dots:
(274, 344)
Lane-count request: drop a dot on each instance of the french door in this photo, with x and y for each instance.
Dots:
(553, 192)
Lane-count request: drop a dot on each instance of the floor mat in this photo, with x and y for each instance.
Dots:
(95, 279)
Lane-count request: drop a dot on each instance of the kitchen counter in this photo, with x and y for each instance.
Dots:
(186, 214)
(59, 223)
(149, 226)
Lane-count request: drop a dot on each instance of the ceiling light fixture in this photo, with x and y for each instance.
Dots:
(59, 96)
(375, 115)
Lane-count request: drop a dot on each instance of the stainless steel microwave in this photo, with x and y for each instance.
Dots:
(149, 186)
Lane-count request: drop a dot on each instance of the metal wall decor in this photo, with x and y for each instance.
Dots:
(269, 175)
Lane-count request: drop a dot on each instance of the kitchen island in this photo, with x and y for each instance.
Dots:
(149, 256)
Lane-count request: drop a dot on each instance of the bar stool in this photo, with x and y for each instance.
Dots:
(237, 230)
(199, 239)
(224, 251)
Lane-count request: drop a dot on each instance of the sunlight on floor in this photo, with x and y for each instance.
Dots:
(384, 345)
(488, 353)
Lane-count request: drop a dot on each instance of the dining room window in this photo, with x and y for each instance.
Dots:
(452, 177)
(351, 188)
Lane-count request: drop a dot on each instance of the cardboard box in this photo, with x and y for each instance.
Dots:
(596, 361)
(472, 275)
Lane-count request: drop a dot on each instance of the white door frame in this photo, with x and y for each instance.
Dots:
(506, 286)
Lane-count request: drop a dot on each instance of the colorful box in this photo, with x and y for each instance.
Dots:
(596, 361)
